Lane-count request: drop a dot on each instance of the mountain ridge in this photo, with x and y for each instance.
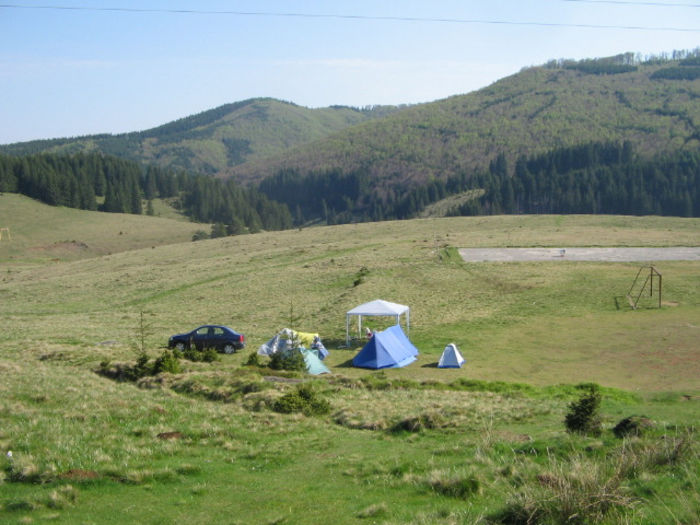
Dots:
(212, 140)
(347, 164)
(534, 111)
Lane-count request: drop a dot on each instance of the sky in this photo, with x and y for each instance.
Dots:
(78, 67)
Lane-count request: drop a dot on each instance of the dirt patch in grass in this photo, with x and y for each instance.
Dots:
(62, 247)
(170, 435)
(77, 474)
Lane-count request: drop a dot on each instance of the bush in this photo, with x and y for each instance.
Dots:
(287, 360)
(208, 355)
(422, 422)
(632, 426)
(200, 235)
(582, 416)
(167, 362)
(303, 399)
(253, 360)
(461, 488)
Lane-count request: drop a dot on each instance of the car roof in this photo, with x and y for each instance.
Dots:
(216, 326)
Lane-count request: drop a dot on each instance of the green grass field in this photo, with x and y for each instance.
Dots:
(43, 233)
(481, 444)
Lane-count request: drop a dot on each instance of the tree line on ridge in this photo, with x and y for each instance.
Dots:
(604, 178)
(594, 178)
(99, 182)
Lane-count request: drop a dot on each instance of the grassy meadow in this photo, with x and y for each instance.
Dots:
(482, 444)
(43, 233)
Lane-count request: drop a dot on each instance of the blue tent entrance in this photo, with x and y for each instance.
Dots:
(387, 349)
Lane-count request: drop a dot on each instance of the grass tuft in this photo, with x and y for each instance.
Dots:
(376, 510)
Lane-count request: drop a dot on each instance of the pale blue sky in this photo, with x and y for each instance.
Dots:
(69, 72)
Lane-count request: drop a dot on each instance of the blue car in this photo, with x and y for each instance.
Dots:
(222, 338)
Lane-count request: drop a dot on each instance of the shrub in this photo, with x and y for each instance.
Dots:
(582, 416)
(200, 235)
(208, 355)
(141, 368)
(253, 360)
(360, 276)
(167, 362)
(458, 487)
(632, 426)
(287, 360)
(289, 404)
(303, 399)
(422, 422)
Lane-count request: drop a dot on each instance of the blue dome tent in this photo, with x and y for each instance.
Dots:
(387, 349)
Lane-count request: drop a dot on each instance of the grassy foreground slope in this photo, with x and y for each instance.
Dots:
(83, 445)
(40, 232)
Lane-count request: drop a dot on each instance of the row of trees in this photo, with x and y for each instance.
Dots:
(596, 178)
(592, 178)
(684, 56)
(106, 183)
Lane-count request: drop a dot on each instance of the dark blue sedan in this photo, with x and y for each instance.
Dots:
(222, 338)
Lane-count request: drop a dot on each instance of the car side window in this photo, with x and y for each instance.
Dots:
(202, 331)
(218, 331)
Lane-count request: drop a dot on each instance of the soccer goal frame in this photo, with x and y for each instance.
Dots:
(648, 281)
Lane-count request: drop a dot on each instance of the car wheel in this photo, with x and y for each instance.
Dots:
(180, 346)
(229, 348)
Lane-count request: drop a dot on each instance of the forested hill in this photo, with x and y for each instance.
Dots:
(655, 105)
(612, 135)
(215, 140)
(94, 181)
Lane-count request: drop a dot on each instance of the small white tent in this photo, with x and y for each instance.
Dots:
(451, 358)
(377, 308)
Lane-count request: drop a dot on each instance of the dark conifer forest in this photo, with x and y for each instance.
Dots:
(595, 178)
(588, 179)
(121, 186)
(615, 135)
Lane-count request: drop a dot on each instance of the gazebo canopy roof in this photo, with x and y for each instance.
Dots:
(379, 307)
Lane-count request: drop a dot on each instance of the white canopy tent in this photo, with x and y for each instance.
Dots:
(377, 308)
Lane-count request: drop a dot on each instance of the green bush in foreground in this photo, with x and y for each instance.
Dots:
(582, 416)
(303, 399)
(292, 360)
(208, 355)
(167, 362)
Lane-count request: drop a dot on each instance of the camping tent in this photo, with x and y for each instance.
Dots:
(451, 358)
(387, 349)
(377, 308)
(284, 338)
(313, 364)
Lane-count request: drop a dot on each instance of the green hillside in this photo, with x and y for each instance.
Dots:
(531, 112)
(40, 233)
(484, 444)
(215, 140)
(611, 135)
